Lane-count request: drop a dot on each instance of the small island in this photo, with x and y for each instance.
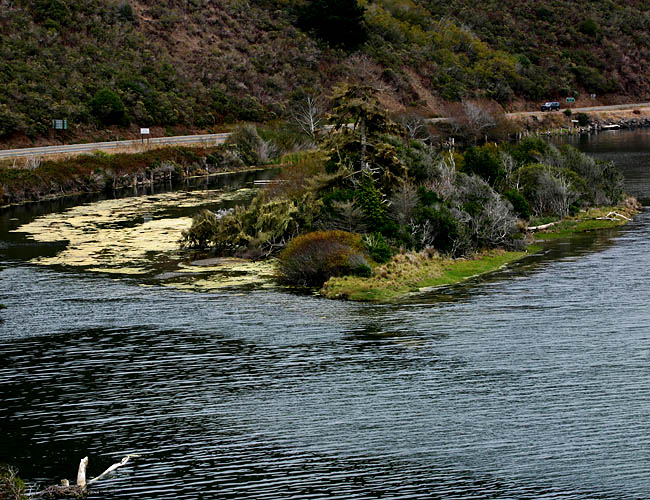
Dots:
(377, 212)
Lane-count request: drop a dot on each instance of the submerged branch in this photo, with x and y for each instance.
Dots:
(79, 490)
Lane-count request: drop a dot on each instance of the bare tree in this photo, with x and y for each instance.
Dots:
(479, 117)
(510, 168)
(403, 203)
(33, 162)
(473, 118)
(496, 223)
(310, 115)
(415, 126)
(442, 179)
(554, 195)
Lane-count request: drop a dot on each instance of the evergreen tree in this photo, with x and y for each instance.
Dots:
(337, 22)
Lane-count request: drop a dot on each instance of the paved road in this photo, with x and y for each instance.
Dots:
(207, 139)
(614, 107)
(213, 139)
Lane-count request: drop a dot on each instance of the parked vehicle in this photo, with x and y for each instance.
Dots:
(551, 106)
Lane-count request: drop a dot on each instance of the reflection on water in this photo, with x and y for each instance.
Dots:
(630, 150)
(529, 383)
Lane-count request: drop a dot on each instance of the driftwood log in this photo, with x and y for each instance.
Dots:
(79, 490)
(542, 227)
(609, 216)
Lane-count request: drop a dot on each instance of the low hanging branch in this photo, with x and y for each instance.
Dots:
(79, 490)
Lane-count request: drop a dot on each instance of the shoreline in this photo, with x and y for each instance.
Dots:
(93, 174)
(557, 123)
(414, 273)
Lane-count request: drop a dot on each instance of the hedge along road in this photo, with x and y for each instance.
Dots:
(72, 149)
(214, 139)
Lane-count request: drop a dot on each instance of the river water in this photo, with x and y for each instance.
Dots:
(531, 383)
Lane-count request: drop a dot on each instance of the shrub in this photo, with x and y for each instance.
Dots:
(371, 202)
(378, 248)
(313, 258)
(258, 230)
(583, 119)
(253, 150)
(337, 22)
(519, 203)
(549, 190)
(484, 161)
(588, 27)
(202, 231)
(11, 486)
(107, 106)
(567, 112)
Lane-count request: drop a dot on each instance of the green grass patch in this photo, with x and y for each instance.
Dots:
(409, 273)
(584, 222)
(460, 269)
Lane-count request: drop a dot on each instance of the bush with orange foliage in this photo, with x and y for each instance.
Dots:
(312, 258)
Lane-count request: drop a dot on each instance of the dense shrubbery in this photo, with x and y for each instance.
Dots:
(338, 22)
(402, 195)
(258, 230)
(200, 64)
(313, 258)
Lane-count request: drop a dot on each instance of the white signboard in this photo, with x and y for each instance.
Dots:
(144, 131)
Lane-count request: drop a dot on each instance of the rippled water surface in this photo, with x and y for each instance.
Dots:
(531, 383)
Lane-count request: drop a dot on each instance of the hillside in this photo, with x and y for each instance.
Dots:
(112, 66)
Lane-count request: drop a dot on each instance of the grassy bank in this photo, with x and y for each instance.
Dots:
(412, 272)
(592, 219)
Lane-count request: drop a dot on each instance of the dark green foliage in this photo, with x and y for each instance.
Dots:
(125, 13)
(519, 204)
(107, 106)
(426, 197)
(484, 162)
(337, 22)
(371, 202)
(611, 182)
(362, 270)
(53, 13)
(588, 27)
(583, 119)
(313, 258)
(378, 248)
(261, 229)
(530, 150)
(544, 14)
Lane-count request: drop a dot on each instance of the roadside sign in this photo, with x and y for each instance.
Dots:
(570, 99)
(593, 96)
(144, 131)
(60, 124)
